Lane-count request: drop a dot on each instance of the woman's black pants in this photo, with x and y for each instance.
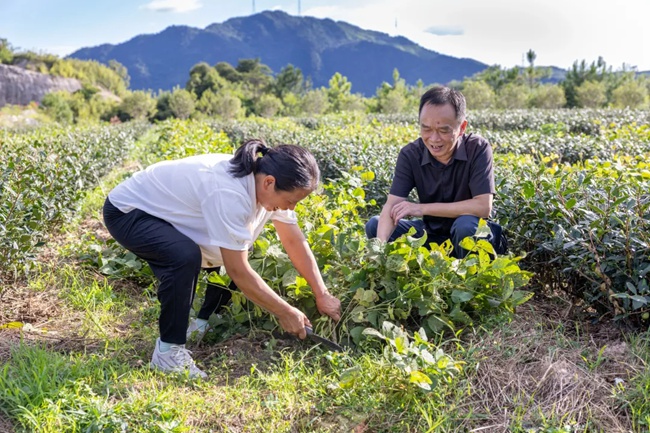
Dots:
(174, 259)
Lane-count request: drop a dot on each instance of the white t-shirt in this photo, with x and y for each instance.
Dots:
(202, 200)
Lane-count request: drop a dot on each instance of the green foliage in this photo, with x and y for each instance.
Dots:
(57, 107)
(178, 139)
(44, 176)
(289, 80)
(547, 96)
(138, 105)
(224, 105)
(112, 260)
(112, 78)
(591, 94)
(498, 77)
(631, 94)
(422, 363)
(512, 96)
(267, 106)
(579, 73)
(181, 103)
(6, 52)
(478, 94)
(401, 281)
(204, 78)
(339, 93)
(395, 97)
(585, 227)
(315, 102)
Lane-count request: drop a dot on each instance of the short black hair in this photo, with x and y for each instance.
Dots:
(441, 95)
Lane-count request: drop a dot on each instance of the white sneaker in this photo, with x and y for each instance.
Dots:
(176, 360)
(196, 332)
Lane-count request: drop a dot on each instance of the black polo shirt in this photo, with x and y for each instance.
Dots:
(469, 173)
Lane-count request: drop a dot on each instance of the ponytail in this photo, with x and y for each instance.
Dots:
(245, 160)
(292, 166)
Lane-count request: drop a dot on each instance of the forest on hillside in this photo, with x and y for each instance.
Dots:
(251, 88)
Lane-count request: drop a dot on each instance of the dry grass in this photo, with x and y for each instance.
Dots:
(542, 366)
(5, 424)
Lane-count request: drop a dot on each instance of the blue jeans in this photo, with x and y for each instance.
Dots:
(464, 226)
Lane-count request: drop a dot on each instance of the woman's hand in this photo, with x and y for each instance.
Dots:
(294, 321)
(329, 305)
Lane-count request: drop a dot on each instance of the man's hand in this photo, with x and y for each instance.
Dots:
(329, 305)
(405, 209)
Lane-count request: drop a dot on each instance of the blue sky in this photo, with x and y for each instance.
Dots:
(491, 31)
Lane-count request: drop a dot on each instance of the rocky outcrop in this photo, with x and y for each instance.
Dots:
(19, 86)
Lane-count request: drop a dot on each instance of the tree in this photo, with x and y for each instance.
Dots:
(315, 102)
(530, 71)
(291, 103)
(6, 52)
(338, 92)
(512, 96)
(289, 80)
(137, 105)
(548, 96)
(204, 77)
(227, 71)
(223, 104)
(121, 71)
(498, 77)
(256, 76)
(591, 94)
(181, 103)
(392, 98)
(630, 94)
(579, 73)
(57, 107)
(478, 94)
(393, 103)
(268, 105)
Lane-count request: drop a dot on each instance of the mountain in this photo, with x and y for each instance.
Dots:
(319, 47)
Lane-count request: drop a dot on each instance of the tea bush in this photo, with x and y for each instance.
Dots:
(44, 175)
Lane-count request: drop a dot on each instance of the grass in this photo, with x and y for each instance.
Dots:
(82, 367)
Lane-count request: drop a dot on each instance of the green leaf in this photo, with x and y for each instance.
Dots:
(396, 263)
(458, 296)
(483, 229)
(373, 332)
(401, 344)
(528, 189)
(289, 277)
(486, 246)
(520, 296)
(468, 243)
(368, 176)
(420, 379)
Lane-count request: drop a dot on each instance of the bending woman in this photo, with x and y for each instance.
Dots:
(206, 211)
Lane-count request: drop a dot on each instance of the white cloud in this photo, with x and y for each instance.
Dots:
(445, 30)
(175, 6)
